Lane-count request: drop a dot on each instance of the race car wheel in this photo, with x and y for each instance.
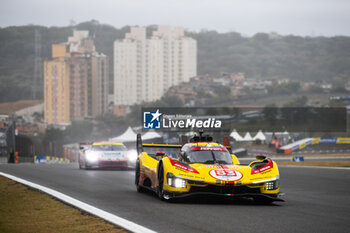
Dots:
(84, 166)
(160, 190)
(139, 188)
(80, 163)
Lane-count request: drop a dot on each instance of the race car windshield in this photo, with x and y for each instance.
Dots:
(209, 157)
(108, 148)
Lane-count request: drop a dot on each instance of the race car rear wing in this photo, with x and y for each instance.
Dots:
(168, 148)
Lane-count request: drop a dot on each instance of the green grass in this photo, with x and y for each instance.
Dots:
(26, 210)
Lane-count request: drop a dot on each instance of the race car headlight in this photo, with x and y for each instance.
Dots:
(272, 185)
(179, 183)
(132, 155)
(91, 156)
(175, 182)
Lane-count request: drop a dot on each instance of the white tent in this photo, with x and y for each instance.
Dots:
(128, 136)
(247, 137)
(260, 136)
(151, 135)
(236, 136)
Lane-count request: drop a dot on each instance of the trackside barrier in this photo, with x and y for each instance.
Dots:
(315, 141)
(303, 143)
(50, 159)
(297, 159)
(39, 159)
(295, 146)
(328, 140)
(343, 140)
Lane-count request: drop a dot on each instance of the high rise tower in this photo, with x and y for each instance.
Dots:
(76, 78)
(145, 68)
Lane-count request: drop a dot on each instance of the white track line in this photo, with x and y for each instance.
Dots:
(128, 225)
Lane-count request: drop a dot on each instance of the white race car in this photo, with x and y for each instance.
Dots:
(104, 155)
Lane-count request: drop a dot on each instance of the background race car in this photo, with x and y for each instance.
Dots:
(103, 155)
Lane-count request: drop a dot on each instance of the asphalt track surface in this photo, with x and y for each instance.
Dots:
(317, 200)
(308, 159)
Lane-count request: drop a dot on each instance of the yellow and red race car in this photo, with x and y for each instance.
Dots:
(203, 167)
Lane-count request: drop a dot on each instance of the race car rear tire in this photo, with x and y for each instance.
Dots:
(139, 188)
(160, 190)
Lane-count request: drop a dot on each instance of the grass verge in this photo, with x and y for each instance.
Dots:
(23, 209)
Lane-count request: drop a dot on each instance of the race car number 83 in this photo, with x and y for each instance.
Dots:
(225, 174)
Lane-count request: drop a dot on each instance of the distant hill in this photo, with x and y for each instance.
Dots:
(263, 55)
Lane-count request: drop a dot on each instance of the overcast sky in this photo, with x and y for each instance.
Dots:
(298, 17)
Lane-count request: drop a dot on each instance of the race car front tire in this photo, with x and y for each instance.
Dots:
(139, 188)
(80, 163)
(160, 190)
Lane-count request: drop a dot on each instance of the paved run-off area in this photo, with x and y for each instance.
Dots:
(317, 200)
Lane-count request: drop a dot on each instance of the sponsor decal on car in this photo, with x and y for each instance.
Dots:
(226, 174)
(212, 166)
(268, 166)
(183, 166)
(209, 148)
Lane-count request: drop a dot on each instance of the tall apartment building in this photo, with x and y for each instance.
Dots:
(145, 68)
(56, 86)
(75, 81)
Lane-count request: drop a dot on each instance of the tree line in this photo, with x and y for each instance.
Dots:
(260, 56)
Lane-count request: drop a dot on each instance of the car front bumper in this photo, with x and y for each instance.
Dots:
(110, 164)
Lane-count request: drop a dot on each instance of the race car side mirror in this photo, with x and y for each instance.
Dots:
(160, 154)
(235, 159)
(260, 157)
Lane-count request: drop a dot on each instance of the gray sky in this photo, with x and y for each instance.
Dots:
(298, 17)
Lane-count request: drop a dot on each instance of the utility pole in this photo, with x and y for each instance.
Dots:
(11, 140)
(37, 76)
